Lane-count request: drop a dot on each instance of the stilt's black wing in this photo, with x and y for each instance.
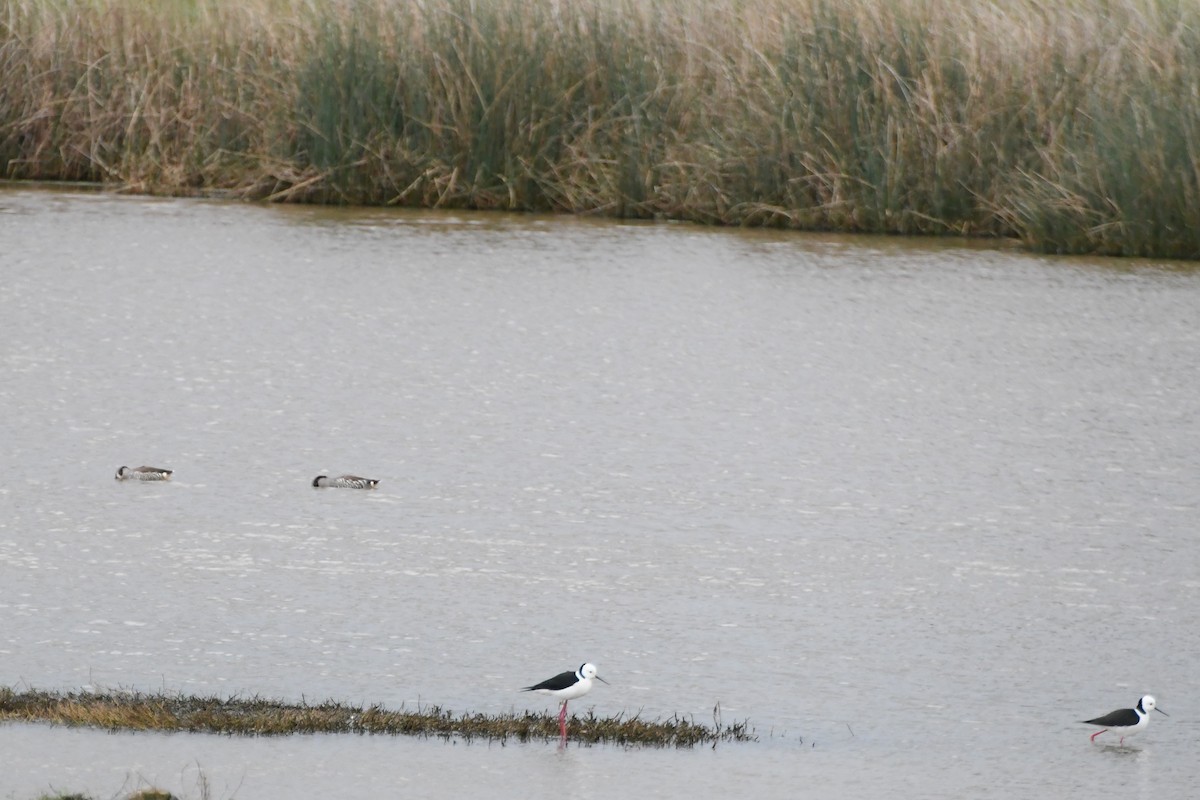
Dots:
(1123, 718)
(560, 681)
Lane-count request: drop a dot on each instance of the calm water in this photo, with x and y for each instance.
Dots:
(911, 508)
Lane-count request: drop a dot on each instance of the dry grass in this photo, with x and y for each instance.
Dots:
(1071, 125)
(143, 794)
(259, 717)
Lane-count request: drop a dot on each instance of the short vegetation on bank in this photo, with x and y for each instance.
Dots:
(1071, 125)
(135, 711)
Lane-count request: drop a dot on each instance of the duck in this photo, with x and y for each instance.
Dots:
(344, 482)
(143, 474)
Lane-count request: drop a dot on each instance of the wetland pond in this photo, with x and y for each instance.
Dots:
(912, 508)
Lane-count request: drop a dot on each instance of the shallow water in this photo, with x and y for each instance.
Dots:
(912, 508)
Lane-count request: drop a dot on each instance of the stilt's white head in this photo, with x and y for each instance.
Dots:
(1148, 704)
(588, 672)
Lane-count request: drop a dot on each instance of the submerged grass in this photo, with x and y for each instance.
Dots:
(1071, 125)
(258, 717)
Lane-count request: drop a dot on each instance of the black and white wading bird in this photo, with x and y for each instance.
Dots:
(143, 474)
(567, 686)
(1127, 721)
(344, 482)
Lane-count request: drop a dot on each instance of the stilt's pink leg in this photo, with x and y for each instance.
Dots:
(562, 720)
(1092, 738)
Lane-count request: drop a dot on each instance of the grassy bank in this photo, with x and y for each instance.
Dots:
(1071, 125)
(259, 717)
(144, 794)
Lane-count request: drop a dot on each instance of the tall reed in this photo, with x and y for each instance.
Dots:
(1072, 125)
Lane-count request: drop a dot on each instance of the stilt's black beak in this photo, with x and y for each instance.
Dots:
(603, 681)
(1159, 710)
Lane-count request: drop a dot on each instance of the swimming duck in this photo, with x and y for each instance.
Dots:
(344, 482)
(143, 474)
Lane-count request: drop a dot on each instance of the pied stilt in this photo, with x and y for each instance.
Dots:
(1127, 721)
(567, 686)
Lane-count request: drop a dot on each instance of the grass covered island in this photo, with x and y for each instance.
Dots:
(136, 711)
(1072, 126)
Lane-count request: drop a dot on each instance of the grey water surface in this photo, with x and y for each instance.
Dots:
(913, 508)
